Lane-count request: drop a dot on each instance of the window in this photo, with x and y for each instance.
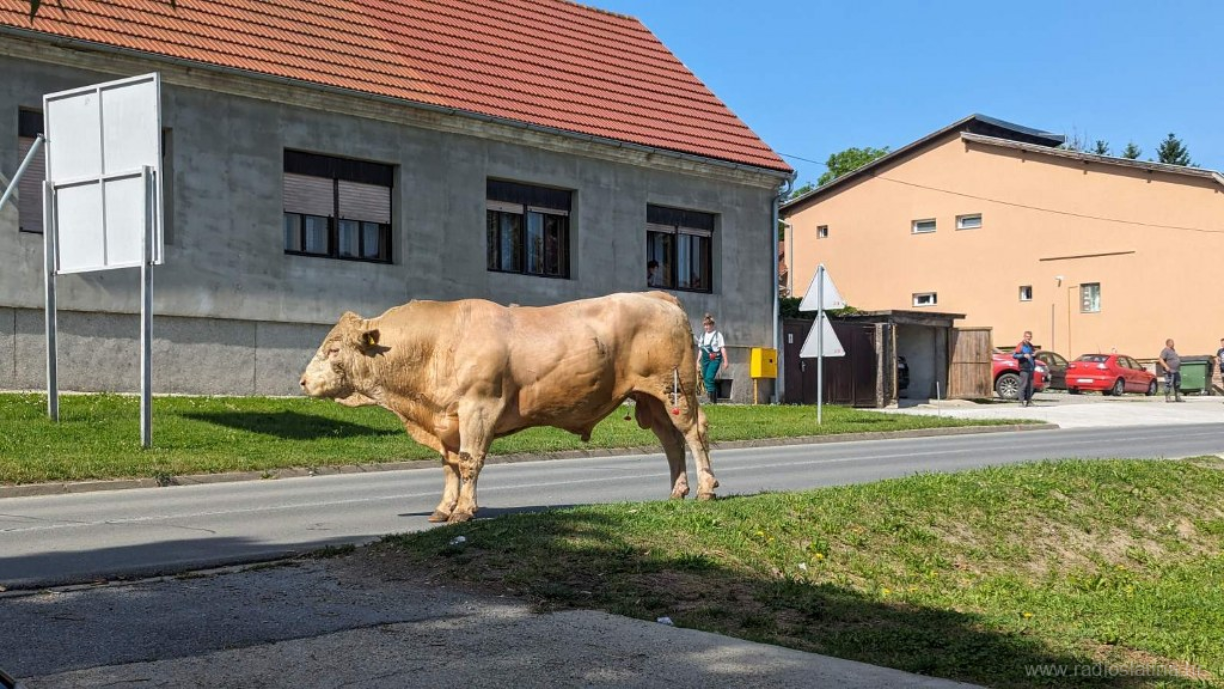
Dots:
(923, 226)
(1090, 297)
(29, 188)
(528, 229)
(822, 232)
(337, 207)
(682, 242)
(969, 222)
(1026, 293)
(926, 299)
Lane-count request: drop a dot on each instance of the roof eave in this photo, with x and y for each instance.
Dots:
(63, 41)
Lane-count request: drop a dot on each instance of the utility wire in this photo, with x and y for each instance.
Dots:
(1049, 210)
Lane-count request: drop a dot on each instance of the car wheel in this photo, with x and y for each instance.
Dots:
(1008, 386)
(1151, 389)
(1119, 387)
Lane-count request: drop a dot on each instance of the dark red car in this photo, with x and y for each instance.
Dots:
(1111, 374)
(1005, 371)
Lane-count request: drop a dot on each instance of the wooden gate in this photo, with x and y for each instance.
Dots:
(969, 363)
(849, 380)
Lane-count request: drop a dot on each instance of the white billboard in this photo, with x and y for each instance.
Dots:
(101, 138)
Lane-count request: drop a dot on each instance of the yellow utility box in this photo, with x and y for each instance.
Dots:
(763, 363)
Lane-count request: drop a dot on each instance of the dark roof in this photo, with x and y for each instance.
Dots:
(550, 64)
(974, 124)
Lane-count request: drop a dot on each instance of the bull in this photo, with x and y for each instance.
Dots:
(460, 374)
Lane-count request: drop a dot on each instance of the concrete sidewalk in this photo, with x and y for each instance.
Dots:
(327, 623)
(1080, 411)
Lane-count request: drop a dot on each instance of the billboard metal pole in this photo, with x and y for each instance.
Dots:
(49, 249)
(146, 312)
(38, 141)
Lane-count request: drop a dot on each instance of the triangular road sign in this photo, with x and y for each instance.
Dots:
(832, 298)
(831, 345)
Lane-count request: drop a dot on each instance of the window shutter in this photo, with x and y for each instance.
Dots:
(368, 202)
(29, 188)
(309, 195)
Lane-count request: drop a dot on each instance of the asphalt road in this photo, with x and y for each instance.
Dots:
(51, 540)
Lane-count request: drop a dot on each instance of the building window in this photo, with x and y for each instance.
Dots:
(926, 299)
(1026, 293)
(969, 222)
(29, 187)
(923, 226)
(528, 229)
(682, 242)
(822, 232)
(1090, 297)
(337, 207)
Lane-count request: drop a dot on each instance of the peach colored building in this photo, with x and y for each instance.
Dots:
(993, 220)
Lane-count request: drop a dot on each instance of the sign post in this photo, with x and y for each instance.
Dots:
(821, 295)
(102, 202)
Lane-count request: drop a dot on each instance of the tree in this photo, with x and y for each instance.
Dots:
(1172, 151)
(805, 188)
(1132, 152)
(1101, 148)
(848, 161)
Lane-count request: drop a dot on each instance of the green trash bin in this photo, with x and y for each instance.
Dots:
(1195, 373)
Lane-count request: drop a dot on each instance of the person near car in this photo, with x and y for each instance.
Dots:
(1023, 355)
(713, 356)
(1170, 363)
(1220, 361)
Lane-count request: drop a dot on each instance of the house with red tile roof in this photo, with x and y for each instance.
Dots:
(328, 156)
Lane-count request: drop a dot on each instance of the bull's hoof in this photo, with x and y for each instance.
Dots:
(460, 517)
(678, 496)
(707, 496)
(439, 516)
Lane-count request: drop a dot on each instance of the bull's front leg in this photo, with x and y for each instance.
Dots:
(476, 423)
(450, 488)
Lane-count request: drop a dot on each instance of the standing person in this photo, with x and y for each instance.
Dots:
(1220, 360)
(1171, 363)
(713, 356)
(1024, 355)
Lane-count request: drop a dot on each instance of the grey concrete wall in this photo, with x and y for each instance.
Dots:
(228, 288)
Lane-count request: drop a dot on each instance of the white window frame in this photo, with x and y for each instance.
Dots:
(915, 225)
(1090, 297)
(822, 231)
(962, 221)
(1026, 292)
(923, 299)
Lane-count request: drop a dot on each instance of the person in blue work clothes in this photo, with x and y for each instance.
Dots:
(713, 356)
(1023, 355)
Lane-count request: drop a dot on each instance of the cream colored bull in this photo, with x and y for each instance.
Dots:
(460, 374)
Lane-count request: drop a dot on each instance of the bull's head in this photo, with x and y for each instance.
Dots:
(340, 369)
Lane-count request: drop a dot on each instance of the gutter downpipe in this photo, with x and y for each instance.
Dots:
(784, 190)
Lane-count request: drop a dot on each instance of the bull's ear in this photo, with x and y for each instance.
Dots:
(369, 340)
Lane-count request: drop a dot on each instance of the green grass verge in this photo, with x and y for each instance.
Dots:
(98, 436)
(1110, 570)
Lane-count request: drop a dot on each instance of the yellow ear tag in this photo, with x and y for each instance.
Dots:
(369, 340)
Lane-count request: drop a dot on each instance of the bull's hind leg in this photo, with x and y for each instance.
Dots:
(691, 422)
(652, 414)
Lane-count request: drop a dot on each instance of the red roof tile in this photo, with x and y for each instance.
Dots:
(545, 62)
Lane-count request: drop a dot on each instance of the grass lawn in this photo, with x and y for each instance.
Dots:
(98, 436)
(1109, 569)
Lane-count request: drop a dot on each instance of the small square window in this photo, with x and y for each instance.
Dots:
(1026, 293)
(1090, 297)
(822, 232)
(926, 299)
(923, 226)
(969, 222)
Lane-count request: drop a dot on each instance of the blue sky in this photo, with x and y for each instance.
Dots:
(813, 77)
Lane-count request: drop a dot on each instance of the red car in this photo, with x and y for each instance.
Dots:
(1111, 374)
(1005, 371)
